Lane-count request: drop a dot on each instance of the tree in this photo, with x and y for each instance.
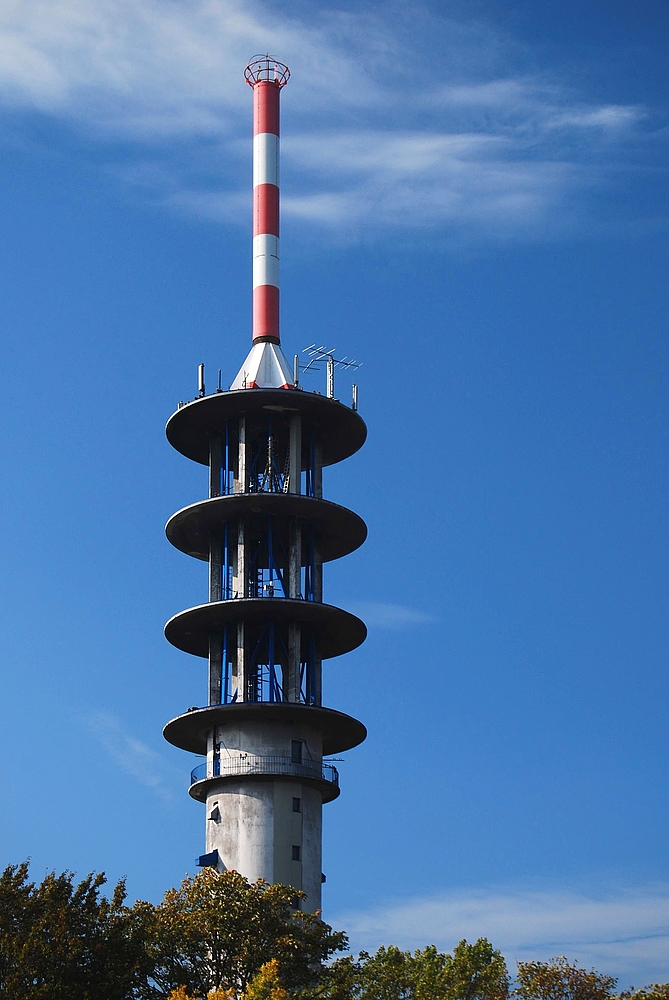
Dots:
(386, 975)
(266, 985)
(558, 979)
(658, 991)
(218, 930)
(475, 972)
(472, 972)
(219, 937)
(58, 940)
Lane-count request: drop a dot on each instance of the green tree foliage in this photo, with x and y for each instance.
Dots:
(472, 972)
(219, 937)
(658, 991)
(61, 941)
(218, 930)
(558, 979)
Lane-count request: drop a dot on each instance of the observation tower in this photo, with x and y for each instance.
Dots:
(265, 531)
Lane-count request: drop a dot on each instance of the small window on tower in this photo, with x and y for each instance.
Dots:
(297, 805)
(296, 852)
(296, 751)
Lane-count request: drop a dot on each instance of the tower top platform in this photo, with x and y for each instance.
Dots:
(341, 430)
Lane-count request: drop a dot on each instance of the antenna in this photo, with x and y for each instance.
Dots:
(326, 354)
(267, 76)
(296, 370)
(265, 367)
(200, 380)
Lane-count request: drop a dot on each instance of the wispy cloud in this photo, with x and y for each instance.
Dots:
(474, 146)
(609, 117)
(624, 932)
(429, 179)
(156, 68)
(135, 758)
(392, 617)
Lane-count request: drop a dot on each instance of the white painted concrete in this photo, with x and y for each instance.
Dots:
(255, 826)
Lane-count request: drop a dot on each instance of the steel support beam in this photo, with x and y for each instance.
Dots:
(240, 585)
(215, 668)
(215, 566)
(295, 446)
(318, 574)
(242, 680)
(294, 559)
(241, 479)
(318, 471)
(292, 681)
(215, 465)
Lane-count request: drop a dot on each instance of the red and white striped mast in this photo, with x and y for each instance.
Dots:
(265, 366)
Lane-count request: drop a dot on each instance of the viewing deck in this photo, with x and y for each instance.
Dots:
(324, 775)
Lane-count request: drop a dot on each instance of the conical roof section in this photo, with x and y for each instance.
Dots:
(265, 368)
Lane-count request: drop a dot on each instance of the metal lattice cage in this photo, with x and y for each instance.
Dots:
(266, 69)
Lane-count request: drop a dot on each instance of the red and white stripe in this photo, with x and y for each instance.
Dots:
(265, 366)
(266, 211)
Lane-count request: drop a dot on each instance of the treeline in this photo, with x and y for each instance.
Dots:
(218, 937)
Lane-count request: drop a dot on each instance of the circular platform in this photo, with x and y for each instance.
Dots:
(339, 531)
(341, 430)
(338, 631)
(340, 732)
(199, 790)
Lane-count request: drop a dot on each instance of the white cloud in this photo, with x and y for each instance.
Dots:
(372, 143)
(135, 758)
(393, 153)
(154, 67)
(623, 932)
(426, 179)
(506, 95)
(391, 617)
(612, 116)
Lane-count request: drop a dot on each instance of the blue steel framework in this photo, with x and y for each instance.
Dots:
(266, 566)
(266, 563)
(267, 662)
(273, 478)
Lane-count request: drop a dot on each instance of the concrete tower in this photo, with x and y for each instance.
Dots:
(265, 531)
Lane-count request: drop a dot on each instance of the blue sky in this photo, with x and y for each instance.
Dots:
(474, 204)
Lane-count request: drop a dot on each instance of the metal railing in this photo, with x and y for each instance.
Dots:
(243, 764)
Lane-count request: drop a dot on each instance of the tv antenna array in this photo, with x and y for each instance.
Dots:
(322, 353)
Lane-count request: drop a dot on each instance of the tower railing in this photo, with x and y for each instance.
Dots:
(224, 767)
